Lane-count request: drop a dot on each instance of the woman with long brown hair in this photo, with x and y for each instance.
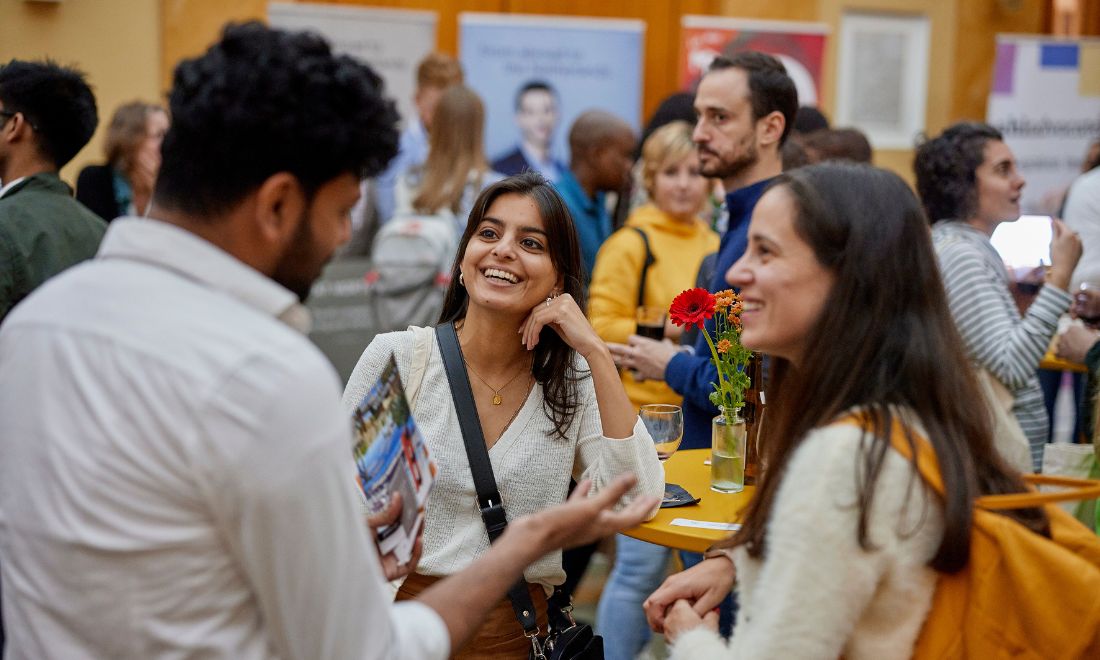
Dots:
(456, 169)
(839, 548)
(547, 393)
(124, 184)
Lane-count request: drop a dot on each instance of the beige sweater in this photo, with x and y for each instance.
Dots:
(532, 466)
(817, 594)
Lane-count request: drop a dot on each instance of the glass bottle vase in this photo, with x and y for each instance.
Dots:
(727, 451)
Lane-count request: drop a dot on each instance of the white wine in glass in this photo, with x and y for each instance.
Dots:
(665, 423)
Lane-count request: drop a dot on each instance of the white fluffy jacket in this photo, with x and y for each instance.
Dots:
(531, 465)
(816, 593)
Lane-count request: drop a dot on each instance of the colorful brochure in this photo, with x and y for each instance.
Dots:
(391, 457)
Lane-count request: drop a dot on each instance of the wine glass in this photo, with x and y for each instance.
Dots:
(665, 423)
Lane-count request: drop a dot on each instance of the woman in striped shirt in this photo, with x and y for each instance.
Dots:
(968, 182)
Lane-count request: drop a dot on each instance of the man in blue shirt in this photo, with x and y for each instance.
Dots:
(746, 106)
(601, 154)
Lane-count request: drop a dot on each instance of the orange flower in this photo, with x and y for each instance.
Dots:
(724, 299)
(735, 308)
(724, 345)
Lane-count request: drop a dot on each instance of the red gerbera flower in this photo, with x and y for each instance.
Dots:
(692, 307)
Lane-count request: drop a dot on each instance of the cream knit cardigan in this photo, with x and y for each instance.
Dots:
(816, 593)
(532, 466)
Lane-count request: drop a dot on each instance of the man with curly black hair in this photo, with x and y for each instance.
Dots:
(47, 114)
(178, 478)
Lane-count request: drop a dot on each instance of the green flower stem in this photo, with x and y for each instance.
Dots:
(726, 410)
(714, 356)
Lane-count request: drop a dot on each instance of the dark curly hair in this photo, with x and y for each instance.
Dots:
(553, 364)
(263, 101)
(57, 103)
(946, 168)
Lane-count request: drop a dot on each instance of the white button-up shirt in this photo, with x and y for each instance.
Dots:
(176, 476)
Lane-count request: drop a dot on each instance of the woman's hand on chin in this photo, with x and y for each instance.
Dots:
(563, 316)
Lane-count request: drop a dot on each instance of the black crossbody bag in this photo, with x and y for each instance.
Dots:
(565, 639)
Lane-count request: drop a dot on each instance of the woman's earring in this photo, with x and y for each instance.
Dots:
(461, 282)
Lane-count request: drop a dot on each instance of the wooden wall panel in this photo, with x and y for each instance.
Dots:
(772, 10)
(1090, 18)
(960, 61)
(188, 27)
(975, 48)
(122, 70)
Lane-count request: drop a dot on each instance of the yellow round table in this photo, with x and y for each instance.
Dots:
(688, 470)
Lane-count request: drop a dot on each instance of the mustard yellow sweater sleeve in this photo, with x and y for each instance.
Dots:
(613, 294)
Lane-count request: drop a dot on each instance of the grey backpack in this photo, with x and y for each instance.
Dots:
(410, 270)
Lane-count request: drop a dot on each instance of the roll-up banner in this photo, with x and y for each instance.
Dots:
(800, 46)
(586, 63)
(391, 41)
(1046, 101)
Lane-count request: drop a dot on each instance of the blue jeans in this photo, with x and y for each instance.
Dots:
(639, 569)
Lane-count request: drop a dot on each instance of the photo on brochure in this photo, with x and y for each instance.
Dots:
(391, 457)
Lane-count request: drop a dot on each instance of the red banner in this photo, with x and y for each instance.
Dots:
(800, 46)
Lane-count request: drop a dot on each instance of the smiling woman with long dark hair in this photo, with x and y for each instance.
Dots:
(840, 546)
(547, 393)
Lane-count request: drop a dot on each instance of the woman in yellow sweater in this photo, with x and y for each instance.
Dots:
(678, 240)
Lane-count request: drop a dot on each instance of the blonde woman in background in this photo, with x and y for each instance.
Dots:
(456, 169)
(124, 184)
(678, 240)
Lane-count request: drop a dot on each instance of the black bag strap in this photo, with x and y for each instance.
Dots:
(488, 497)
(649, 260)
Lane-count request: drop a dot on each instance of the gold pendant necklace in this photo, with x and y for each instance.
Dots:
(497, 399)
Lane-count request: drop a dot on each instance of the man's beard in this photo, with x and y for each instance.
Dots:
(293, 268)
(745, 157)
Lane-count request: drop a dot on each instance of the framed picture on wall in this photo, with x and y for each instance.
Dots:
(882, 78)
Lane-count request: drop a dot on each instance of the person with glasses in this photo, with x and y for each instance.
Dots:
(47, 114)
